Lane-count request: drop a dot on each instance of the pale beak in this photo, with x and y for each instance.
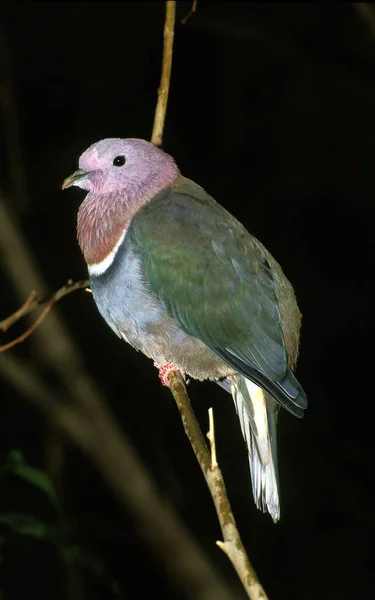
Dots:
(74, 178)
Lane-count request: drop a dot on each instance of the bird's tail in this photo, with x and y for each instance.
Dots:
(257, 412)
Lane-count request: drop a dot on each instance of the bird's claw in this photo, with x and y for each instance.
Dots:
(165, 370)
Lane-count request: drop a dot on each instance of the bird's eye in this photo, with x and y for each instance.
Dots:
(119, 161)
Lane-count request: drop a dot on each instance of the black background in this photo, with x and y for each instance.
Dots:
(271, 109)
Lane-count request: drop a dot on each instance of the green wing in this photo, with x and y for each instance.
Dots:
(214, 279)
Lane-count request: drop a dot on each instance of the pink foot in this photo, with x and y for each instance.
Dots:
(164, 371)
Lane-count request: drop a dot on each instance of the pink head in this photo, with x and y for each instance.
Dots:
(121, 175)
(129, 165)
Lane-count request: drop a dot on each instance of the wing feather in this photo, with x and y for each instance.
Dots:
(213, 277)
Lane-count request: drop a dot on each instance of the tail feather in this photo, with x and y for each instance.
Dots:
(257, 412)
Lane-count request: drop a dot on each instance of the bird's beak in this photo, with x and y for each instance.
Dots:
(74, 178)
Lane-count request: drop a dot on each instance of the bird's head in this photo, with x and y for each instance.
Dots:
(121, 176)
(129, 165)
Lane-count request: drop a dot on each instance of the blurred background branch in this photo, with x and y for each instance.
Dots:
(366, 10)
(190, 13)
(166, 69)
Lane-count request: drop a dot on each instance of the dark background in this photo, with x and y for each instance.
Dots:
(272, 111)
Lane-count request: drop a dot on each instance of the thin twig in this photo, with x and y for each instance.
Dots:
(232, 545)
(211, 438)
(34, 301)
(29, 305)
(163, 91)
(26, 334)
(190, 13)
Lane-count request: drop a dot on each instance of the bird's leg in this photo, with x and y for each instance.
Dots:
(164, 371)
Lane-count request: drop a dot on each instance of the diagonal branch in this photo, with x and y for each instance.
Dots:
(28, 306)
(232, 545)
(163, 91)
(190, 13)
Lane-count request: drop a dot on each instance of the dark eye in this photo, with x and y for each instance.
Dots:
(119, 161)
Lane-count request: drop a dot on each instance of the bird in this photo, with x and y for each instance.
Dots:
(179, 278)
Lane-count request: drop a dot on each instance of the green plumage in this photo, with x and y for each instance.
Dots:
(212, 276)
(219, 284)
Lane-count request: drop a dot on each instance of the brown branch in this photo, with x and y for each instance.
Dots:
(34, 301)
(232, 545)
(26, 334)
(163, 91)
(190, 13)
(211, 438)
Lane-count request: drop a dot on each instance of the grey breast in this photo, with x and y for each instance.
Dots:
(135, 313)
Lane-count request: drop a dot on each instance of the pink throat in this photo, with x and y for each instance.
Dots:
(104, 218)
